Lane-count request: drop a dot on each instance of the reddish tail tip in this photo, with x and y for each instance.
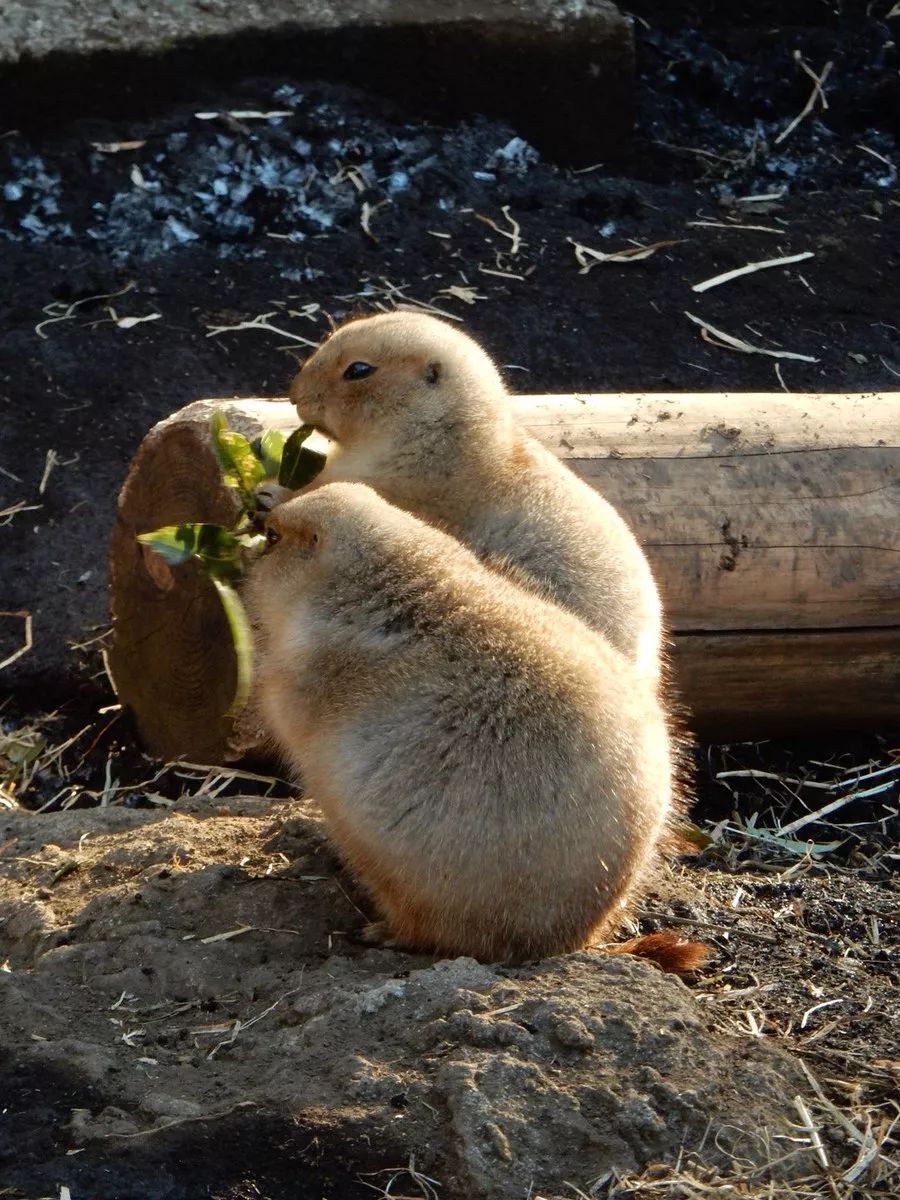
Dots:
(666, 950)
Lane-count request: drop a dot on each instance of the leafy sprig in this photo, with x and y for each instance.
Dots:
(222, 550)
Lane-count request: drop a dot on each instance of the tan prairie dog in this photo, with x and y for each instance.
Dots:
(418, 411)
(495, 774)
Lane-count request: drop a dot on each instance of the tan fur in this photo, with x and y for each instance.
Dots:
(496, 774)
(433, 431)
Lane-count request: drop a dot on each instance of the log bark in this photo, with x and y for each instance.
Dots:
(772, 523)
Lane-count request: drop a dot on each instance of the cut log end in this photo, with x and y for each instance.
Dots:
(171, 658)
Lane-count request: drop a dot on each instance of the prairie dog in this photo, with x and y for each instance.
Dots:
(496, 775)
(418, 411)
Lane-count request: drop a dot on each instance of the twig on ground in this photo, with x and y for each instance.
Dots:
(394, 295)
(50, 461)
(28, 642)
(815, 1138)
(501, 274)
(224, 937)
(750, 269)
(245, 114)
(513, 233)
(426, 1185)
(809, 818)
(117, 147)
(130, 322)
(764, 198)
(60, 311)
(734, 225)
(881, 158)
(367, 212)
(7, 514)
(587, 257)
(260, 322)
(817, 95)
(468, 295)
(727, 341)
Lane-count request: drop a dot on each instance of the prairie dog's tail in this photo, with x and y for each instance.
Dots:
(667, 950)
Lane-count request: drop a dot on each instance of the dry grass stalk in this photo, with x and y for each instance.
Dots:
(245, 114)
(260, 322)
(58, 310)
(28, 640)
(367, 212)
(749, 269)
(588, 258)
(726, 341)
(817, 95)
(514, 233)
(7, 514)
(734, 225)
(118, 147)
(468, 295)
(427, 1187)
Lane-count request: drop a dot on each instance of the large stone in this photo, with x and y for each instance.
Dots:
(561, 71)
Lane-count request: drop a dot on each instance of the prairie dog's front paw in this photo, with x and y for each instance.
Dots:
(270, 494)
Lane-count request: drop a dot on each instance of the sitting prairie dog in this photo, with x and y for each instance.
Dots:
(418, 411)
(496, 775)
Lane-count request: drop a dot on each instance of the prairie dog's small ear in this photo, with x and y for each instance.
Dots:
(433, 372)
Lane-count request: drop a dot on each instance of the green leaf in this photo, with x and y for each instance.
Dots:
(299, 465)
(243, 644)
(217, 547)
(240, 467)
(20, 754)
(219, 551)
(174, 543)
(271, 449)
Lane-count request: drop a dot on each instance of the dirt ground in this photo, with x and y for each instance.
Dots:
(138, 1060)
(187, 1012)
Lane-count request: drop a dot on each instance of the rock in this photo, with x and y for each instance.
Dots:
(539, 64)
(494, 1079)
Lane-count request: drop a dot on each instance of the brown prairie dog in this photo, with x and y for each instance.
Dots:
(496, 775)
(418, 411)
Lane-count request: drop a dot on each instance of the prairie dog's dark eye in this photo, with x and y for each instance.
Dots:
(272, 536)
(358, 370)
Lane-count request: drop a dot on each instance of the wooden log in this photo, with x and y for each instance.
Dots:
(772, 523)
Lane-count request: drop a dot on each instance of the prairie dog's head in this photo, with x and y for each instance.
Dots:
(387, 379)
(336, 537)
